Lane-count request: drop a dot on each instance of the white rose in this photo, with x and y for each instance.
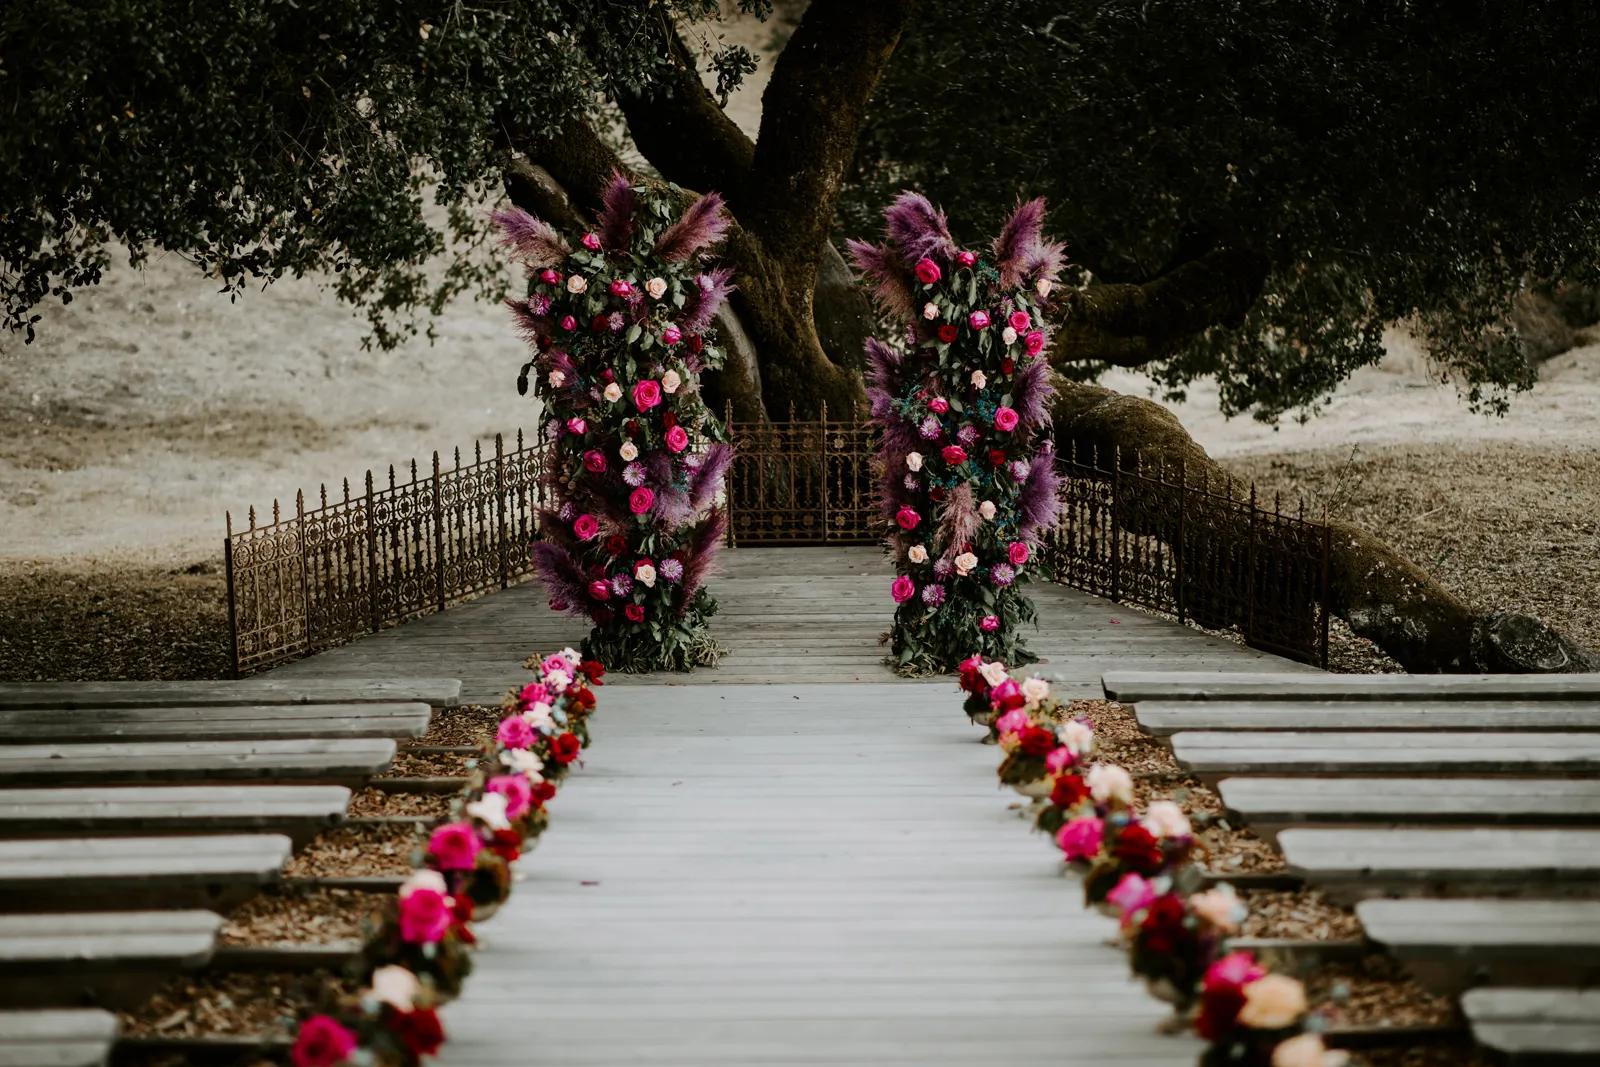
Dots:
(490, 809)
(930, 311)
(646, 575)
(1035, 689)
(577, 283)
(1307, 1050)
(1042, 287)
(394, 985)
(978, 379)
(629, 451)
(670, 382)
(917, 554)
(986, 509)
(656, 287)
(557, 379)
(1008, 335)
(1077, 736)
(1165, 819)
(1107, 781)
(965, 562)
(993, 673)
(538, 715)
(558, 680)
(523, 761)
(423, 878)
(914, 461)
(613, 392)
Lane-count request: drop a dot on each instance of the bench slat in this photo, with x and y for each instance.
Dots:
(1162, 718)
(140, 872)
(1134, 686)
(239, 722)
(300, 811)
(1212, 755)
(309, 760)
(1536, 1022)
(1552, 929)
(437, 692)
(63, 1037)
(113, 959)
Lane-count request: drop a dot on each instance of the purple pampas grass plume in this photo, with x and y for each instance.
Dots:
(561, 575)
(878, 404)
(706, 482)
(658, 470)
(1020, 233)
(672, 506)
(530, 327)
(702, 225)
(891, 279)
(704, 297)
(534, 241)
(1044, 260)
(703, 553)
(1031, 393)
(1039, 503)
(615, 221)
(919, 229)
(959, 520)
(883, 363)
(899, 438)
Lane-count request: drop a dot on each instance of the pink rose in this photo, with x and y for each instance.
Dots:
(1035, 342)
(671, 336)
(939, 405)
(514, 732)
(555, 662)
(591, 241)
(1131, 894)
(1005, 420)
(907, 518)
(595, 461)
(646, 394)
(927, 271)
(322, 1042)
(1232, 971)
(1059, 759)
(600, 589)
(978, 320)
(577, 426)
(585, 527)
(966, 259)
(454, 847)
(989, 623)
(550, 277)
(424, 916)
(1019, 321)
(954, 455)
(902, 589)
(517, 791)
(569, 323)
(1014, 721)
(677, 439)
(533, 693)
(1080, 838)
(641, 500)
(620, 288)
(1017, 552)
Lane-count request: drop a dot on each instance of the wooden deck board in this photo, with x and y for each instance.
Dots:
(1537, 1025)
(99, 873)
(1135, 686)
(387, 688)
(298, 811)
(113, 959)
(1211, 756)
(311, 760)
(240, 722)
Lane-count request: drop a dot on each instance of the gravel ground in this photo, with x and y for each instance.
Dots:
(1302, 916)
(374, 802)
(430, 765)
(1375, 992)
(232, 1004)
(358, 851)
(299, 917)
(1432, 1056)
(469, 724)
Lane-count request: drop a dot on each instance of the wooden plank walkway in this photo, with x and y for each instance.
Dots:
(788, 616)
(783, 874)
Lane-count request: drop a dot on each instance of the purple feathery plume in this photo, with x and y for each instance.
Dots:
(530, 327)
(891, 279)
(959, 521)
(900, 438)
(702, 553)
(878, 404)
(658, 465)
(534, 241)
(919, 229)
(705, 483)
(561, 575)
(883, 363)
(1039, 503)
(705, 296)
(702, 225)
(1031, 393)
(1020, 233)
(615, 221)
(672, 506)
(559, 360)
(554, 529)
(1044, 260)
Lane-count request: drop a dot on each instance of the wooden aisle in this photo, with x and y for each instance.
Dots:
(789, 615)
(796, 874)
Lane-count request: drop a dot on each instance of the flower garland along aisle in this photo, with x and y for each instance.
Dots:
(417, 951)
(621, 328)
(969, 478)
(1141, 870)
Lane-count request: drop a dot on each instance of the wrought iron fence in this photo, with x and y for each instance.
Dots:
(803, 482)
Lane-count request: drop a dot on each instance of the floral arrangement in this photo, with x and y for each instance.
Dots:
(621, 328)
(417, 951)
(1254, 1018)
(969, 478)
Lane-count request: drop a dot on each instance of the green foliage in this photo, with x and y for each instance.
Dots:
(1392, 159)
(269, 138)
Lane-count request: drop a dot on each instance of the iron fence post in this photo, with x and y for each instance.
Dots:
(733, 466)
(1116, 527)
(233, 607)
(300, 536)
(1327, 552)
(1183, 533)
(822, 431)
(500, 547)
(373, 622)
(438, 532)
(1250, 564)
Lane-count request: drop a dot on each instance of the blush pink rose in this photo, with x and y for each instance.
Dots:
(591, 241)
(641, 500)
(907, 519)
(454, 847)
(966, 259)
(677, 439)
(600, 589)
(927, 271)
(1019, 321)
(1079, 839)
(514, 732)
(954, 455)
(1034, 342)
(978, 320)
(1017, 552)
(516, 790)
(585, 527)
(939, 405)
(1131, 894)
(902, 589)
(646, 394)
(424, 917)
(1014, 721)
(1005, 420)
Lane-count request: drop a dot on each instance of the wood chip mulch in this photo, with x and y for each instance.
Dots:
(241, 1004)
(1375, 992)
(470, 724)
(359, 851)
(1303, 915)
(1426, 1056)
(369, 803)
(293, 916)
(407, 765)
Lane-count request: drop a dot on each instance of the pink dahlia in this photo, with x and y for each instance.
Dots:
(646, 394)
(641, 500)
(454, 847)
(902, 589)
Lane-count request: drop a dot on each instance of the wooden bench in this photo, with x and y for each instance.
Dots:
(63, 1037)
(1270, 805)
(1212, 756)
(1162, 718)
(314, 760)
(1537, 1026)
(298, 811)
(437, 692)
(110, 959)
(1131, 687)
(1353, 865)
(1450, 945)
(239, 722)
(98, 873)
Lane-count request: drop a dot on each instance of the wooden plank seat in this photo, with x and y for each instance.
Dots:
(1162, 718)
(109, 959)
(1270, 805)
(1212, 756)
(1536, 1026)
(98, 873)
(1450, 945)
(237, 722)
(264, 689)
(334, 761)
(1132, 687)
(298, 811)
(60, 1037)
(1354, 865)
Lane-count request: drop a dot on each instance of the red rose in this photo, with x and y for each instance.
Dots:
(1036, 741)
(461, 913)
(632, 427)
(1164, 913)
(937, 493)
(1139, 849)
(972, 681)
(583, 700)
(598, 324)
(696, 343)
(1069, 790)
(542, 793)
(1007, 365)
(947, 333)
(593, 670)
(418, 1030)
(564, 748)
(602, 616)
(1219, 1010)
(996, 457)
(634, 612)
(954, 455)
(669, 419)
(616, 544)
(507, 844)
